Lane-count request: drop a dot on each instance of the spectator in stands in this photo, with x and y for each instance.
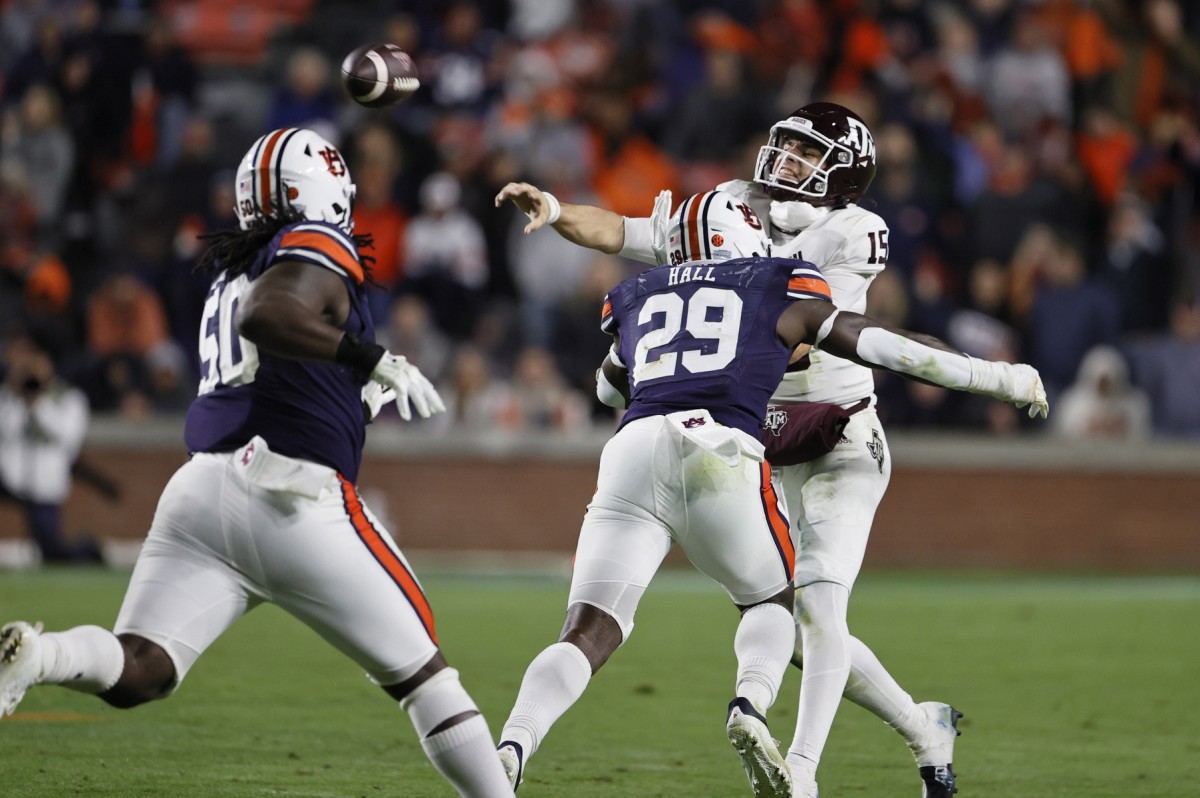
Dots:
(1071, 314)
(1168, 369)
(457, 65)
(305, 99)
(40, 63)
(171, 73)
(577, 342)
(43, 420)
(445, 259)
(410, 332)
(543, 399)
(1028, 80)
(375, 164)
(476, 399)
(1101, 403)
(36, 139)
(125, 321)
(1134, 263)
(627, 166)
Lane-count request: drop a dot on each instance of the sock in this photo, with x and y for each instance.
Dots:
(825, 638)
(553, 682)
(87, 658)
(763, 645)
(873, 688)
(463, 753)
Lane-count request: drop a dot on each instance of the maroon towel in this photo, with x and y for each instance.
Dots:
(803, 431)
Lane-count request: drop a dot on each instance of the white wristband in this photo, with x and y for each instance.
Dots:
(555, 207)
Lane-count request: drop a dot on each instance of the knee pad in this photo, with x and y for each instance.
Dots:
(439, 697)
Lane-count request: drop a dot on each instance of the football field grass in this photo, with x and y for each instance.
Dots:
(1072, 686)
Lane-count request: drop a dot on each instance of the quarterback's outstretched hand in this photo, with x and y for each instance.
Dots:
(530, 200)
(1016, 383)
(409, 384)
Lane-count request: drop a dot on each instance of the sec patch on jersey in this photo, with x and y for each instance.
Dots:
(379, 75)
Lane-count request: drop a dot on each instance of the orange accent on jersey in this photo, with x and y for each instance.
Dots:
(328, 246)
(778, 524)
(386, 557)
(264, 172)
(606, 311)
(809, 284)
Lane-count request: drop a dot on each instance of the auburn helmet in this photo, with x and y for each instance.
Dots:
(847, 156)
(715, 225)
(298, 170)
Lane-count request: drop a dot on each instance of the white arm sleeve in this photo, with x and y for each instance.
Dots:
(606, 393)
(637, 241)
(904, 355)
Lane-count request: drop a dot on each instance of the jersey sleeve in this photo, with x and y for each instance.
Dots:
(806, 282)
(321, 245)
(608, 322)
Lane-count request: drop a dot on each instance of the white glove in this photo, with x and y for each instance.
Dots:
(410, 385)
(374, 397)
(1016, 383)
(660, 222)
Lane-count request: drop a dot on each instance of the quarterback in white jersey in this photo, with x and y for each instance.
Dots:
(816, 165)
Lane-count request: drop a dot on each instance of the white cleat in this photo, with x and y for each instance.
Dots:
(803, 789)
(933, 748)
(511, 758)
(20, 663)
(768, 771)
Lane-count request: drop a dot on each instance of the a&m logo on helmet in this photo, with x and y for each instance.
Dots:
(859, 139)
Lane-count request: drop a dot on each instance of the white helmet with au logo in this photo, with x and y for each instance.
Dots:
(298, 170)
(712, 225)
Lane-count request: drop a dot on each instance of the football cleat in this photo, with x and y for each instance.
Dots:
(768, 771)
(933, 748)
(937, 781)
(512, 757)
(804, 789)
(20, 663)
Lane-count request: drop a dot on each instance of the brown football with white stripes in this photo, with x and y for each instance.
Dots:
(379, 75)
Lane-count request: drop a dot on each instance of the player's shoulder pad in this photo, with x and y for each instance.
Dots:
(321, 244)
(607, 321)
(743, 190)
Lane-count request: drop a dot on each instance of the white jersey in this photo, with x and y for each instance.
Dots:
(848, 245)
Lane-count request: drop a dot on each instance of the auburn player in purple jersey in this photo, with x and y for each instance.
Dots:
(266, 509)
(699, 345)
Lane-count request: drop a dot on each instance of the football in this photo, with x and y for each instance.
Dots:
(378, 75)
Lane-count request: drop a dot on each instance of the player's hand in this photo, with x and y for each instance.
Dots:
(374, 397)
(530, 200)
(410, 385)
(1019, 384)
(1027, 389)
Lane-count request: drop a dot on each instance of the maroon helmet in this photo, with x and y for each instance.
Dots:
(846, 167)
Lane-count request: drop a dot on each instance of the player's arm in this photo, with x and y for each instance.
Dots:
(869, 343)
(295, 310)
(612, 378)
(585, 225)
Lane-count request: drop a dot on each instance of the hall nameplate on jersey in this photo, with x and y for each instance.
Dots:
(690, 274)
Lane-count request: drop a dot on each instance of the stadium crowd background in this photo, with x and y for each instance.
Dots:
(1038, 167)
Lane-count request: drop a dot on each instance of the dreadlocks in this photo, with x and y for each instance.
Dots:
(234, 251)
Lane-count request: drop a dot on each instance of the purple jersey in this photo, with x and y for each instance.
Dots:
(308, 410)
(702, 335)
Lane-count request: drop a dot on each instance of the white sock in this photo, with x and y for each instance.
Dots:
(873, 688)
(763, 645)
(87, 658)
(553, 682)
(463, 753)
(825, 639)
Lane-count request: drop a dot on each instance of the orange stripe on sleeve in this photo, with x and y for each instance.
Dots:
(606, 311)
(778, 524)
(386, 557)
(809, 284)
(264, 172)
(327, 246)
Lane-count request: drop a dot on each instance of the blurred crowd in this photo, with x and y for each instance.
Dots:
(1038, 168)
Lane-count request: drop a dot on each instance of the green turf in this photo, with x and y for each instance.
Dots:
(1072, 687)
